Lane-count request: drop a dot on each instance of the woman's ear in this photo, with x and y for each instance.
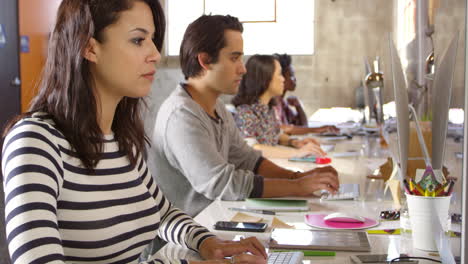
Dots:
(204, 60)
(91, 51)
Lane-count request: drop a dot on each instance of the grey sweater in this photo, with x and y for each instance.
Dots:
(196, 158)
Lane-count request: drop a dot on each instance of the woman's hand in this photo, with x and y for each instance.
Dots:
(293, 101)
(310, 140)
(215, 248)
(308, 147)
(236, 259)
(328, 129)
(287, 128)
(247, 259)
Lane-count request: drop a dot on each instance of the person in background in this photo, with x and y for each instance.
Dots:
(289, 111)
(254, 115)
(197, 149)
(77, 189)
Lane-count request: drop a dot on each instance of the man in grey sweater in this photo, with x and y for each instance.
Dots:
(197, 153)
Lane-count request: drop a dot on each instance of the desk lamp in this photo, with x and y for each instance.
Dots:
(374, 83)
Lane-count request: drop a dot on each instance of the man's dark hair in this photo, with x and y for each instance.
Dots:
(206, 34)
(260, 70)
(285, 61)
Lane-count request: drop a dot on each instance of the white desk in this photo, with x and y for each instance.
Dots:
(351, 170)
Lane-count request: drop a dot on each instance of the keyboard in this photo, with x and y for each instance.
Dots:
(290, 257)
(346, 192)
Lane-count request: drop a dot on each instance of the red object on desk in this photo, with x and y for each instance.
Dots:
(322, 160)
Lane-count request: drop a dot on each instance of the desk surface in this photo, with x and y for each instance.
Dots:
(372, 201)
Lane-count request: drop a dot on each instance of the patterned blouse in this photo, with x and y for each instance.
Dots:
(258, 122)
(285, 113)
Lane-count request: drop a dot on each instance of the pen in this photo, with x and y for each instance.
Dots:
(267, 212)
(417, 190)
(411, 187)
(450, 188)
(407, 188)
(309, 253)
(441, 189)
(428, 193)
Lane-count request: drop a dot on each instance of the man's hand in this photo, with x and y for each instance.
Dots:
(324, 178)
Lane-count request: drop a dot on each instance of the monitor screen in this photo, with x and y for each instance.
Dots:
(441, 96)
(402, 110)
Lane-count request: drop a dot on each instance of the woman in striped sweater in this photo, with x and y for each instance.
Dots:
(77, 189)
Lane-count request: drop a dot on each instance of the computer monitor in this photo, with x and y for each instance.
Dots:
(402, 110)
(441, 96)
(442, 91)
(464, 229)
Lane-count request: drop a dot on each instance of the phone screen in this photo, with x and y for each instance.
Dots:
(241, 226)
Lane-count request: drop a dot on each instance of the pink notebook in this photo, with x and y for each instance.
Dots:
(316, 220)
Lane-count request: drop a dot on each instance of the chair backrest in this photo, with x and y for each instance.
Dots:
(4, 256)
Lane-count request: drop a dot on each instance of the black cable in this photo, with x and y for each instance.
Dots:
(410, 258)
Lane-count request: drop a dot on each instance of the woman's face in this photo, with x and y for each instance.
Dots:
(276, 86)
(126, 58)
(290, 80)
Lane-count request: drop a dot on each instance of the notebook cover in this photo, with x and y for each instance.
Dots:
(277, 204)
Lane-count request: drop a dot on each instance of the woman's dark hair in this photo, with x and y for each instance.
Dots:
(285, 62)
(206, 34)
(66, 91)
(260, 70)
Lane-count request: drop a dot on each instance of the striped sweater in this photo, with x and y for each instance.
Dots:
(56, 212)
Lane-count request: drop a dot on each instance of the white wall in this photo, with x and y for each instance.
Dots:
(346, 31)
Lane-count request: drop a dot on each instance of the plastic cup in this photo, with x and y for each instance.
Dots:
(421, 211)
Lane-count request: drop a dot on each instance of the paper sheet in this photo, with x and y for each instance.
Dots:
(395, 189)
(241, 217)
(277, 223)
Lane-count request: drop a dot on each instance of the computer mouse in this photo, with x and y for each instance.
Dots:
(344, 217)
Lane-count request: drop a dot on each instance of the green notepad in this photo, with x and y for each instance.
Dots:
(279, 205)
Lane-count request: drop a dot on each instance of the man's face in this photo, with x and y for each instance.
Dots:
(225, 75)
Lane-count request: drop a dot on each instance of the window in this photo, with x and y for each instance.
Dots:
(282, 26)
(406, 27)
(258, 11)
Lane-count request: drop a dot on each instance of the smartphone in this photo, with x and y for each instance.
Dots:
(240, 226)
(381, 258)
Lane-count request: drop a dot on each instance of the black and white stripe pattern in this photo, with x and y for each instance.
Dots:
(57, 212)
